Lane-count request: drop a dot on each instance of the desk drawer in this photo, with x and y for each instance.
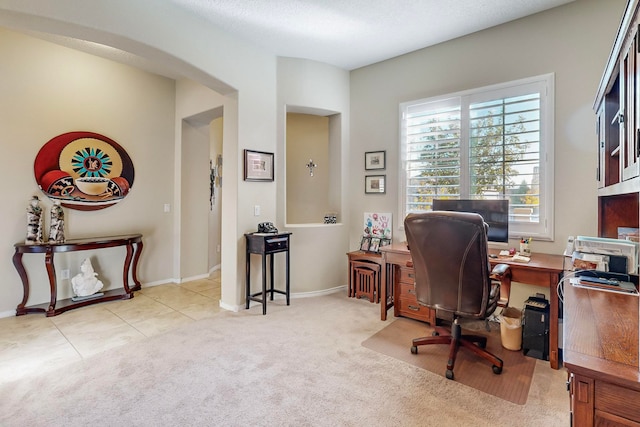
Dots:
(407, 290)
(409, 307)
(617, 400)
(407, 276)
(276, 244)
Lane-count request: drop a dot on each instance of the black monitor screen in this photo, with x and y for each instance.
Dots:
(494, 212)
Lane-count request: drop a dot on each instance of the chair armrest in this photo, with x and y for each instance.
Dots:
(502, 274)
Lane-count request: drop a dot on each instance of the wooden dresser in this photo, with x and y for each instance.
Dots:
(601, 357)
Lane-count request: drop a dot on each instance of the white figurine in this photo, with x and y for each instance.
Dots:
(86, 283)
(34, 222)
(56, 228)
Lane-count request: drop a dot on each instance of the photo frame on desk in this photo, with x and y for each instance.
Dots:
(258, 166)
(375, 184)
(364, 243)
(373, 244)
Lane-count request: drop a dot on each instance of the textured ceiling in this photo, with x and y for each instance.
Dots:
(354, 33)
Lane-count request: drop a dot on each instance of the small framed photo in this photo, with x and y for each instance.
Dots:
(374, 246)
(374, 160)
(258, 166)
(374, 184)
(364, 243)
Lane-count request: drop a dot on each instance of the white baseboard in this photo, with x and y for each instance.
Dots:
(297, 295)
(198, 277)
(159, 282)
(9, 313)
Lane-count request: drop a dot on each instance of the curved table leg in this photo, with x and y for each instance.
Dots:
(125, 268)
(134, 267)
(17, 263)
(53, 284)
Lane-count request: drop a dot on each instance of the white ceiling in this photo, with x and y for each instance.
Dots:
(354, 33)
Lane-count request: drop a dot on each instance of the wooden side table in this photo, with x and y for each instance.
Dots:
(266, 244)
(365, 274)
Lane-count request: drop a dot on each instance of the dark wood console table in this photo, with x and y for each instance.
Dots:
(55, 307)
(266, 244)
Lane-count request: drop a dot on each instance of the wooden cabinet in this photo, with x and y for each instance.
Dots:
(629, 110)
(601, 356)
(600, 328)
(617, 107)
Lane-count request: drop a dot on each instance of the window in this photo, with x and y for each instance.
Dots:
(490, 143)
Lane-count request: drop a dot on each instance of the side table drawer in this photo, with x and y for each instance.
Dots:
(277, 244)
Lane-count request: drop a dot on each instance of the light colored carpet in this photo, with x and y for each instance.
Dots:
(301, 365)
(512, 385)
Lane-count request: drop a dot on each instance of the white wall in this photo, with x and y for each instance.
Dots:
(572, 41)
(194, 201)
(196, 107)
(48, 90)
(318, 260)
(243, 73)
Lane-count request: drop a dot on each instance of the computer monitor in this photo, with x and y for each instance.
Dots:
(494, 212)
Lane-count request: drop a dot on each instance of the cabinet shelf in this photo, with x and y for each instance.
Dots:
(625, 187)
(616, 118)
(615, 152)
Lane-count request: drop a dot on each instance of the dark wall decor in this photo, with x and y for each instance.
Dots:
(84, 170)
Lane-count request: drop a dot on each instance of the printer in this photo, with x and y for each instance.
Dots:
(605, 255)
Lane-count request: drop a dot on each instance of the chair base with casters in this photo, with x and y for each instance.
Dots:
(455, 338)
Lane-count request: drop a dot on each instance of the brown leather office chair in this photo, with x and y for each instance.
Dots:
(452, 273)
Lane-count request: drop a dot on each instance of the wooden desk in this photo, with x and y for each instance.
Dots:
(543, 270)
(266, 244)
(55, 307)
(601, 355)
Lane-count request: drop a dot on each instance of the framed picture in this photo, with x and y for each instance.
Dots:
(258, 166)
(364, 243)
(374, 184)
(374, 160)
(374, 246)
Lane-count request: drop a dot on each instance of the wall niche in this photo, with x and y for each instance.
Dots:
(312, 166)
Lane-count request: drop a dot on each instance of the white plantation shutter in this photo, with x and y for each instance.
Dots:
(489, 143)
(432, 153)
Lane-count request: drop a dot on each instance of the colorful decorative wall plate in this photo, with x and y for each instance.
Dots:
(84, 170)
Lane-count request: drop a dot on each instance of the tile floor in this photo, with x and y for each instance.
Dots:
(35, 343)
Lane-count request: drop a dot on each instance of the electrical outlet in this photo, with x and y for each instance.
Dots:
(64, 274)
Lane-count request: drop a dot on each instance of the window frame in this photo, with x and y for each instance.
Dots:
(544, 229)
